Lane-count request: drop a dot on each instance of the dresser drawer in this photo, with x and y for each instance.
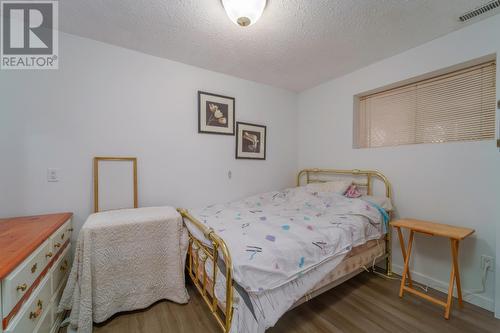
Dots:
(33, 310)
(69, 229)
(61, 269)
(57, 294)
(60, 237)
(46, 321)
(15, 285)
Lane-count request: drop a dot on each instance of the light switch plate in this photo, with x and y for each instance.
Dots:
(52, 175)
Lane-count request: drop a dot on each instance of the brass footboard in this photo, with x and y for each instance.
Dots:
(199, 253)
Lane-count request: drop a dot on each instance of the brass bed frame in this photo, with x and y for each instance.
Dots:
(223, 313)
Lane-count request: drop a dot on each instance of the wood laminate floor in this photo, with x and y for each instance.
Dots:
(366, 303)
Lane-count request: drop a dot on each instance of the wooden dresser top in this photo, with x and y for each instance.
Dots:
(20, 236)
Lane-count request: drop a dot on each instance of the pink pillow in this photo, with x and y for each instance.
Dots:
(352, 192)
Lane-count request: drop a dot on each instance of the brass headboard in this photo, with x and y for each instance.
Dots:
(365, 177)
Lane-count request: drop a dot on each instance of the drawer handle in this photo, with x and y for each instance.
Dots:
(62, 236)
(56, 245)
(33, 268)
(70, 229)
(39, 309)
(49, 255)
(22, 287)
(64, 266)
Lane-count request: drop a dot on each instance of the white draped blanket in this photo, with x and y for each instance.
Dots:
(125, 260)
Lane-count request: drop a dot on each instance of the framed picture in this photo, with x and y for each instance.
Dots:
(215, 114)
(250, 141)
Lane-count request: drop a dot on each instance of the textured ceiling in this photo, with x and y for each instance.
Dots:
(296, 45)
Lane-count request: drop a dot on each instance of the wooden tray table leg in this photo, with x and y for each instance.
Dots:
(457, 273)
(403, 251)
(452, 281)
(406, 270)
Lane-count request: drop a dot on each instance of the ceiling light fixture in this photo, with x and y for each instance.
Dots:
(244, 12)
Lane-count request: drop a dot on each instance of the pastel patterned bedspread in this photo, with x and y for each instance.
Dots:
(275, 237)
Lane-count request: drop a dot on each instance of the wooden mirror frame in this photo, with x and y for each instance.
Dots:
(96, 177)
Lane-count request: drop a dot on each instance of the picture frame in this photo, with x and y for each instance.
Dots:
(251, 141)
(216, 113)
(115, 183)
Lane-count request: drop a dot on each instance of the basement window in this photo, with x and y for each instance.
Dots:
(456, 106)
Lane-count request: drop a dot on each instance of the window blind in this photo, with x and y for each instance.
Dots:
(458, 106)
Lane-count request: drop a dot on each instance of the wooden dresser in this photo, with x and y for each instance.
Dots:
(34, 264)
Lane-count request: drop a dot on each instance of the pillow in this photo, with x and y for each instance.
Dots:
(335, 186)
(382, 201)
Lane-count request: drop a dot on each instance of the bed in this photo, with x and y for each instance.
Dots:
(254, 259)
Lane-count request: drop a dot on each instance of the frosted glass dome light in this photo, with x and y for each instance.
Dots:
(244, 12)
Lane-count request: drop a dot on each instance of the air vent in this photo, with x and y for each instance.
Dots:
(480, 10)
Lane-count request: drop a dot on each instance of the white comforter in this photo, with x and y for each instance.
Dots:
(277, 236)
(282, 244)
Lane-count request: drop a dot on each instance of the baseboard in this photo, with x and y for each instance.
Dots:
(479, 300)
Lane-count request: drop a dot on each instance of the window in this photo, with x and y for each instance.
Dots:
(458, 106)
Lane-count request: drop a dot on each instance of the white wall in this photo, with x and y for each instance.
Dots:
(455, 183)
(106, 100)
